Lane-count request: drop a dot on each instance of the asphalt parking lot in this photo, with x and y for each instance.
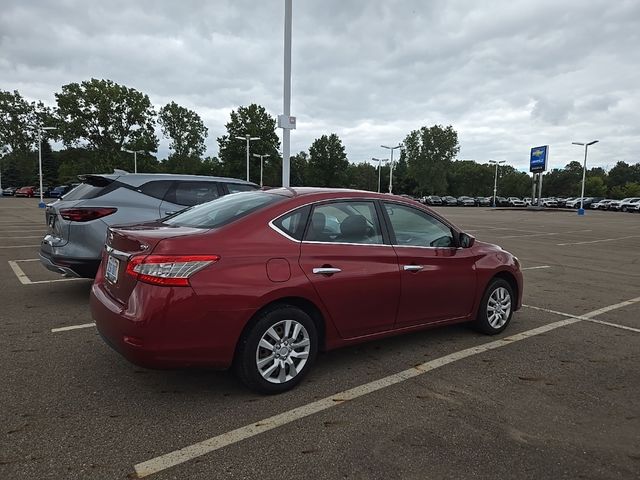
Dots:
(554, 396)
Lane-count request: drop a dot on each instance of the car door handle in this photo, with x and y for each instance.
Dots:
(326, 270)
(412, 268)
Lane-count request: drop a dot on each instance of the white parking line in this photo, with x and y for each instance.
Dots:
(190, 452)
(588, 317)
(536, 268)
(72, 327)
(19, 246)
(598, 241)
(29, 236)
(546, 234)
(25, 280)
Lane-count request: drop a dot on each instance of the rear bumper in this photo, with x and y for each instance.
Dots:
(72, 267)
(167, 327)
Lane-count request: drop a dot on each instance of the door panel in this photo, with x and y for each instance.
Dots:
(438, 280)
(362, 293)
(363, 297)
(444, 288)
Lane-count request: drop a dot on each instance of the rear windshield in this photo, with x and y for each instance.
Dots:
(82, 192)
(223, 210)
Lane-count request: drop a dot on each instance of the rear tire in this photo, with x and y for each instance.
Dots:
(496, 308)
(277, 351)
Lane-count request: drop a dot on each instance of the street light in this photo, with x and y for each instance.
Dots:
(379, 160)
(248, 139)
(135, 158)
(286, 121)
(584, 172)
(495, 180)
(40, 130)
(391, 165)
(261, 157)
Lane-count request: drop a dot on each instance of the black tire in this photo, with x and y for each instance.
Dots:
(482, 323)
(245, 364)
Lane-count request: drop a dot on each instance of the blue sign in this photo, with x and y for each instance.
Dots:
(538, 160)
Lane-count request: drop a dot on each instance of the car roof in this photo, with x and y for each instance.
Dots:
(138, 179)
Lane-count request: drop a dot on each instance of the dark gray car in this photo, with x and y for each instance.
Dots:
(77, 223)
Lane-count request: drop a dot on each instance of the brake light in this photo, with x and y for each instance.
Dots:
(168, 270)
(85, 214)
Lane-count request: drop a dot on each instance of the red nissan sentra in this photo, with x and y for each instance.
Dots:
(262, 280)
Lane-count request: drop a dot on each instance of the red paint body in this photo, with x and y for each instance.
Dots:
(373, 297)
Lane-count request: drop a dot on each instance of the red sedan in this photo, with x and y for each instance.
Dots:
(25, 192)
(262, 280)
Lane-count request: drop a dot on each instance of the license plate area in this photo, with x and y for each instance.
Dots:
(113, 267)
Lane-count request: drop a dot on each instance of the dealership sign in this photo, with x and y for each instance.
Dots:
(538, 159)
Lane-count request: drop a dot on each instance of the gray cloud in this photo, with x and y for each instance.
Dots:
(507, 75)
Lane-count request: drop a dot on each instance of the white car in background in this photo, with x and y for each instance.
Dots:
(630, 204)
(516, 202)
(602, 204)
(549, 203)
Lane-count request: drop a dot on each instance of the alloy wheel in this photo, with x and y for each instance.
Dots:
(499, 307)
(283, 351)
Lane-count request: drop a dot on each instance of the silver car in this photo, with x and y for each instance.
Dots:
(77, 223)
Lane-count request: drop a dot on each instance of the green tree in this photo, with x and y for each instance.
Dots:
(362, 176)
(18, 122)
(256, 122)
(299, 166)
(187, 133)
(49, 165)
(328, 164)
(105, 117)
(429, 152)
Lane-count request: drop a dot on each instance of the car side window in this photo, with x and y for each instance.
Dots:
(239, 187)
(193, 193)
(413, 227)
(293, 223)
(345, 222)
(156, 188)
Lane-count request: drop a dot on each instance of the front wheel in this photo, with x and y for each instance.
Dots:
(278, 350)
(496, 308)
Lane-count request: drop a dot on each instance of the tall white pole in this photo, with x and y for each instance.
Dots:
(391, 173)
(135, 161)
(41, 204)
(495, 186)
(584, 176)
(286, 132)
(379, 172)
(248, 143)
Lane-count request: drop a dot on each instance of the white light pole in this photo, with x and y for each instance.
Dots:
(248, 139)
(135, 158)
(261, 157)
(495, 181)
(379, 160)
(40, 130)
(391, 165)
(286, 121)
(584, 172)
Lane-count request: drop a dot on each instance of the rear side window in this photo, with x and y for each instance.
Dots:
(240, 187)
(293, 223)
(193, 193)
(156, 189)
(224, 210)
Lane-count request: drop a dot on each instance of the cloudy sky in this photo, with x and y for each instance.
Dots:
(508, 74)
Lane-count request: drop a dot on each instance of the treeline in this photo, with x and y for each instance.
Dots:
(96, 120)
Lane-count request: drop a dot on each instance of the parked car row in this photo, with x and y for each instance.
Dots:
(32, 191)
(463, 201)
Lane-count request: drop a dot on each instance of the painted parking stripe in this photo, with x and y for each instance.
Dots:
(73, 327)
(190, 452)
(589, 317)
(28, 236)
(539, 267)
(25, 280)
(598, 241)
(19, 246)
(546, 234)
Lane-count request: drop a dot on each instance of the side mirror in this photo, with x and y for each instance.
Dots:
(465, 240)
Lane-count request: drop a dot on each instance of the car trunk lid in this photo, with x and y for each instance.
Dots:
(126, 243)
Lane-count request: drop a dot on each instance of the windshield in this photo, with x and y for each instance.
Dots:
(223, 210)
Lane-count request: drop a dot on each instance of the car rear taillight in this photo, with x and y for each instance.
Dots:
(168, 270)
(86, 214)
